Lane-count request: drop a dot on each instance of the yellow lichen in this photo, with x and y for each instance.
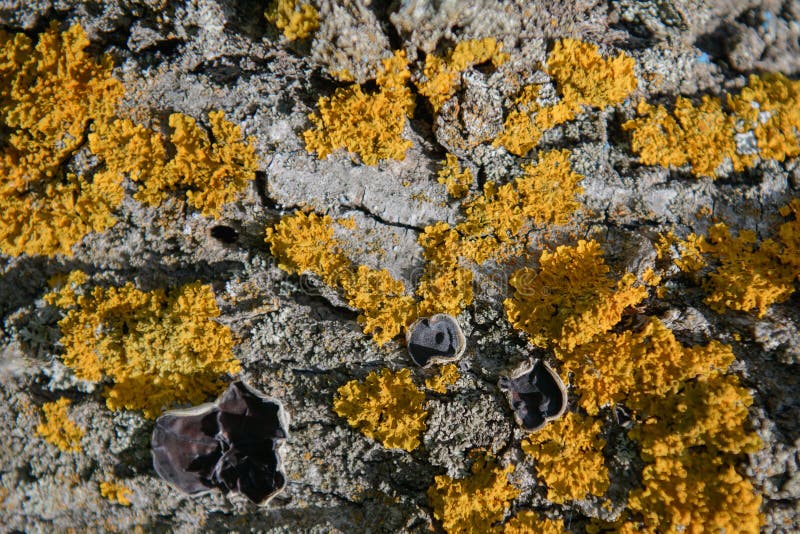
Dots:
(569, 458)
(158, 349)
(115, 492)
(704, 136)
(745, 274)
(385, 308)
(456, 180)
(691, 440)
(582, 77)
(296, 19)
(650, 278)
(386, 406)
(49, 96)
(210, 173)
(770, 106)
(474, 504)
(58, 429)
(447, 376)
(647, 362)
(305, 243)
(749, 276)
(571, 298)
(444, 289)
(697, 489)
(441, 74)
(528, 522)
(496, 220)
(701, 136)
(368, 124)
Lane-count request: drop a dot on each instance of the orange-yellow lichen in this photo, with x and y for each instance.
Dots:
(528, 522)
(569, 458)
(444, 289)
(789, 236)
(750, 276)
(386, 406)
(211, 173)
(368, 124)
(115, 492)
(582, 77)
(58, 429)
(456, 180)
(697, 489)
(704, 136)
(49, 95)
(385, 308)
(447, 376)
(296, 19)
(745, 274)
(474, 504)
(770, 106)
(305, 243)
(158, 348)
(642, 363)
(441, 74)
(691, 439)
(571, 298)
(496, 220)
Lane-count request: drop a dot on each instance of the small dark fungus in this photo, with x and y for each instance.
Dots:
(536, 394)
(435, 339)
(231, 444)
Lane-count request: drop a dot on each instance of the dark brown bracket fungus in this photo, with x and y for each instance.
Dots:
(536, 394)
(435, 339)
(231, 444)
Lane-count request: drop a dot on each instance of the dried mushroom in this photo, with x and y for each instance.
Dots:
(536, 394)
(231, 444)
(435, 339)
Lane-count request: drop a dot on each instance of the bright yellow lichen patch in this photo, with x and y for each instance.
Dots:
(441, 75)
(115, 492)
(701, 136)
(569, 457)
(386, 406)
(704, 136)
(691, 439)
(159, 349)
(583, 78)
(305, 243)
(496, 220)
(474, 504)
(770, 106)
(58, 429)
(744, 275)
(571, 298)
(368, 125)
(211, 173)
(447, 376)
(647, 362)
(49, 95)
(296, 19)
(456, 180)
(529, 522)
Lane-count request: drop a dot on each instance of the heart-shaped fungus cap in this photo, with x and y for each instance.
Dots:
(435, 339)
(231, 444)
(536, 394)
